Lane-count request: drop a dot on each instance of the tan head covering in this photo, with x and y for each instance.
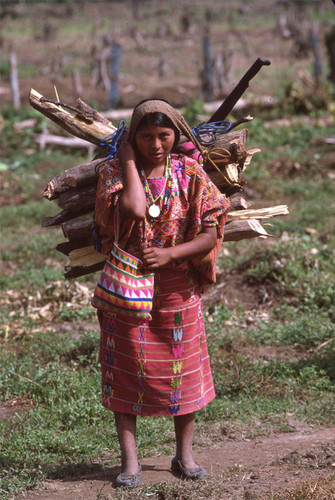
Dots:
(157, 105)
(212, 157)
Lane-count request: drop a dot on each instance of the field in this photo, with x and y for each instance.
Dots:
(269, 434)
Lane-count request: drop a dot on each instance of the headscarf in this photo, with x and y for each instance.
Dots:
(160, 106)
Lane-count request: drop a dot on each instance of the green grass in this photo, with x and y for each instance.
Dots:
(65, 426)
(21, 247)
(29, 214)
(49, 351)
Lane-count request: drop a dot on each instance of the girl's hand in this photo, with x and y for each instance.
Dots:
(202, 244)
(154, 257)
(126, 153)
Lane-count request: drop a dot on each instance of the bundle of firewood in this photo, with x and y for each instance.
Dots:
(75, 189)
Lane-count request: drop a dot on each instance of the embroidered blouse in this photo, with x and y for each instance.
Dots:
(194, 202)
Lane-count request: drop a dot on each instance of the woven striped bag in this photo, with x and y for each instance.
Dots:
(124, 286)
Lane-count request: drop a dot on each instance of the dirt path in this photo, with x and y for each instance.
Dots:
(261, 464)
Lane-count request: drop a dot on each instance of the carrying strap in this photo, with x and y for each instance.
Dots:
(117, 223)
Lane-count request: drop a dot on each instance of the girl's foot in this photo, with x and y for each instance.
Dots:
(129, 480)
(196, 472)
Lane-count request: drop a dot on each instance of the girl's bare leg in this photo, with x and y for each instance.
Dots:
(184, 429)
(126, 430)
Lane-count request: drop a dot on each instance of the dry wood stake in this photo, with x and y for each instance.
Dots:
(14, 81)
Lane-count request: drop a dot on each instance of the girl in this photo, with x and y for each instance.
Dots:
(172, 218)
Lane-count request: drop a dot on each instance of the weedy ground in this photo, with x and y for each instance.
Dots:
(269, 319)
(270, 324)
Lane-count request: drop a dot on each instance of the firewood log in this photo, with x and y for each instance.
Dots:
(67, 246)
(258, 213)
(84, 261)
(74, 202)
(56, 220)
(221, 183)
(238, 137)
(237, 202)
(75, 177)
(86, 123)
(76, 199)
(244, 229)
(77, 271)
(79, 228)
(85, 257)
(66, 215)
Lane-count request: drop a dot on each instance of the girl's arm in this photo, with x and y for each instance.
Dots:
(204, 242)
(132, 199)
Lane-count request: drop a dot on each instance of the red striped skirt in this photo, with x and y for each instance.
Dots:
(159, 367)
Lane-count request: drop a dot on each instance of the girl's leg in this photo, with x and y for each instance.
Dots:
(184, 429)
(126, 430)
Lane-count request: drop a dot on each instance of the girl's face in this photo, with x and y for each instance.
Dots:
(154, 144)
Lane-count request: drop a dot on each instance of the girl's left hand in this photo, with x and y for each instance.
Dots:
(154, 257)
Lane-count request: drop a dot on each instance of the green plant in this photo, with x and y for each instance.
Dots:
(269, 322)
(191, 112)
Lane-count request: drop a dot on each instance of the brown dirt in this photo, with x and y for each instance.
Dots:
(9, 409)
(249, 468)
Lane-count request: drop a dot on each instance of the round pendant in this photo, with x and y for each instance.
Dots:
(154, 211)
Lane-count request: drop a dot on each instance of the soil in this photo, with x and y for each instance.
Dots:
(250, 468)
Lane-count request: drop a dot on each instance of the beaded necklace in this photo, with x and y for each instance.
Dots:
(153, 203)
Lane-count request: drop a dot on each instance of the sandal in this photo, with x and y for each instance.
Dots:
(178, 469)
(129, 480)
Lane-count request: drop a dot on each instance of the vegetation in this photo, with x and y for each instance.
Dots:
(272, 347)
(49, 362)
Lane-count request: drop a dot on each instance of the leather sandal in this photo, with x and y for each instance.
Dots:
(178, 469)
(129, 480)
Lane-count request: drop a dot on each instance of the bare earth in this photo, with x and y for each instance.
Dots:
(262, 465)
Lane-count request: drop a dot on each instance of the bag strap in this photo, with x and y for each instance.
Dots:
(116, 223)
